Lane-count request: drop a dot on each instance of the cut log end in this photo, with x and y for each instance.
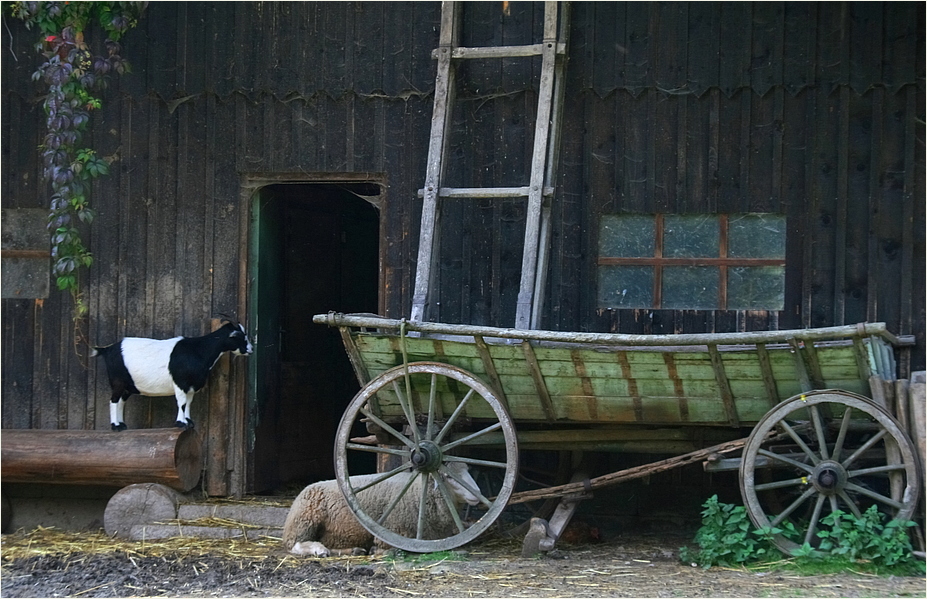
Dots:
(141, 504)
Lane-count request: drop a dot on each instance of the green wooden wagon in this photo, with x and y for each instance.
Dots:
(809, 412)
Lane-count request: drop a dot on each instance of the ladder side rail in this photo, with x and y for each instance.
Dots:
(553, 160)
(539, 156)
(437, 145)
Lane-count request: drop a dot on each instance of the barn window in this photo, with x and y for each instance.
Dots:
(26, 254)
(692, 261)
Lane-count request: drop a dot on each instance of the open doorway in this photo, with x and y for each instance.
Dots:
(315, 248)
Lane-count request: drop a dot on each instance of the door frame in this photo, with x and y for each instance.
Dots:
(241, 452)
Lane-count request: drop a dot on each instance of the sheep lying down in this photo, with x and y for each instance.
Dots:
(321, 524)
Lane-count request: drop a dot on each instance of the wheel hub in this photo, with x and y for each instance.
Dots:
(829, 477)
(426, 457)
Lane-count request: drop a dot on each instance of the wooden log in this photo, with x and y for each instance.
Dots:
(143, 504)
(90, 457)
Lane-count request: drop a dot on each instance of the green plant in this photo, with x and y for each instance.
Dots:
(727, 537)
(866, 538)
(72, 77)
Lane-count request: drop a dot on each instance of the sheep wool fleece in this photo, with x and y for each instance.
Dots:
(321, 514)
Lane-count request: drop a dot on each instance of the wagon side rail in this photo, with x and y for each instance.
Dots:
(860, 330)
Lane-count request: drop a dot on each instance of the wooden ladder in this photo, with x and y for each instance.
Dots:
(543, 161)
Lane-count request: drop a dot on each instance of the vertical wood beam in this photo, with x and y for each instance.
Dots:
(437, 144)
(724, 386)
(529, 261)
(490, 367)
(769, 380)
(840, 243)
(539, 383)
(801, 369)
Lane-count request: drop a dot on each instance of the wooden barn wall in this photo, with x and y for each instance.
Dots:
(824, 125)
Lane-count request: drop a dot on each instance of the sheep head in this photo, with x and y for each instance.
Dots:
(463, 486)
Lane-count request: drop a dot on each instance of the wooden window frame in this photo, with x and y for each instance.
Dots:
(658, 262)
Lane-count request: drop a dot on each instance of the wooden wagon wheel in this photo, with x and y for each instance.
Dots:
(836, 450)
(424, 442)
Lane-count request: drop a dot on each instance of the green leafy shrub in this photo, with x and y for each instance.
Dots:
(866, 538)
(727, 537)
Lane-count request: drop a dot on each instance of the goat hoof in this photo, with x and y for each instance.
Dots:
(183, 425)
(119, 427)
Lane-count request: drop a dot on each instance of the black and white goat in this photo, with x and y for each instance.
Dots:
(160, 367)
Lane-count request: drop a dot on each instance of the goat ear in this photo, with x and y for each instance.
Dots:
(226, 318)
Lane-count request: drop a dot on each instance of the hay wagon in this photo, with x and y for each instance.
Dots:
(807, 417)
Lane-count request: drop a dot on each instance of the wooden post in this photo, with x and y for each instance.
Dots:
(917, 403)
(215, 480)
(169, 456)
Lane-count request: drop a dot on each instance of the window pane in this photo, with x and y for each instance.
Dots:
(756, 236)
(756, 288)
(690, 236)
(626, 236)
(690, 287)
(625, 286)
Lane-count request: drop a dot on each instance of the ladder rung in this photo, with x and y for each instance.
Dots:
(498, 51)
(485, 192)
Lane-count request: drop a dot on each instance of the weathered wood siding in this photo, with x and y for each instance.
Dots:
(813, 110)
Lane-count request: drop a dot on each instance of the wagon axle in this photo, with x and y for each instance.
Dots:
(426, 457)
(829, 478)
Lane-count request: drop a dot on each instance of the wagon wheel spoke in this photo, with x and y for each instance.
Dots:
(842, 435)
(878, 497)
(850, 504)
(453, 419)
(437, 421)
(800, 442)
(471, 437)
(876, 469)
(385, 426)
(813, 523)
(377, 449)
(816, 470)
(476, 491)
(875, 439)
(432, 395)
(476, 462)
(819, 431)
(781, 484)
(380, 479)
(785, 460)
(449, 503)
(422, 504)
(795, 504)
(392, 505)
(405, 403)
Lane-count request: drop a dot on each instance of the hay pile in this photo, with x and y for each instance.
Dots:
(51, 541)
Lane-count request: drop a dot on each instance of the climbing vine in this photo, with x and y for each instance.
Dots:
(72, 78)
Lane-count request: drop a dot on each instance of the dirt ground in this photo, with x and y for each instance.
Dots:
(632, 565)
